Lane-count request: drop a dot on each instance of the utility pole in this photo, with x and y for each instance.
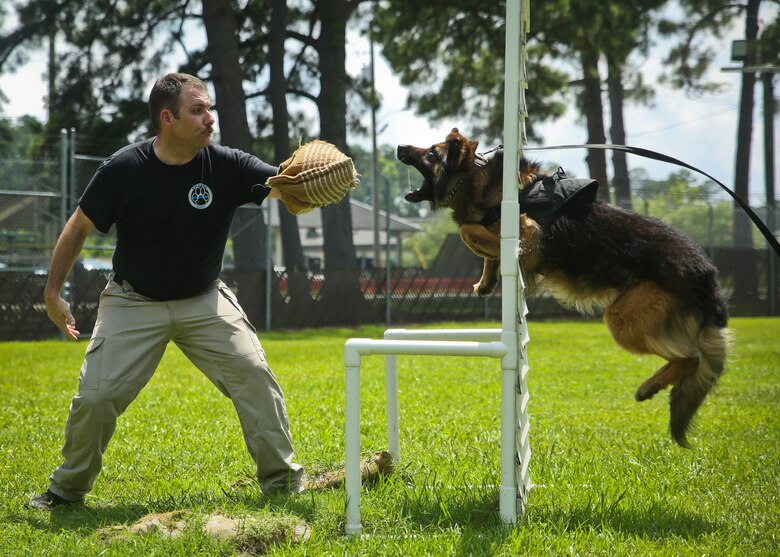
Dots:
(52, 63)
(374, 155)
(739, 53)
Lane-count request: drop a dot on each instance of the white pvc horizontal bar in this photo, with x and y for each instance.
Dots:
(355, 347)
(443, 334)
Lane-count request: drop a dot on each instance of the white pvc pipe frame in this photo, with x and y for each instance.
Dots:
(495, 343)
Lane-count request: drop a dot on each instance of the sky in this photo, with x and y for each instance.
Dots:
(700, 131)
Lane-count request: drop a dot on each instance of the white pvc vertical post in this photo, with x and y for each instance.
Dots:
(391, 393)
(509, 270)
(523, 446)
(515, 449)
(352, 441)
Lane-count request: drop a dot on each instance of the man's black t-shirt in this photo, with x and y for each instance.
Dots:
(172, 221)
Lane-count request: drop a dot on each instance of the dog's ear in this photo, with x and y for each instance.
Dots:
(458, 148)
(461, 151)
(471, 153)
(453, 160)
(454, 135)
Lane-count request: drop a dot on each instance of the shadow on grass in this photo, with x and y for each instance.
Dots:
(655, 522)
(433, 504)
(88, 519)
(84, 518)
(95, 515)
(433, 509)
(474, 513)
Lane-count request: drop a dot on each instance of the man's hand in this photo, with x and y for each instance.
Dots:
(64, 257)
(59, 312)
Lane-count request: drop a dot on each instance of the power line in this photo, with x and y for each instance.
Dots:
(681, 124)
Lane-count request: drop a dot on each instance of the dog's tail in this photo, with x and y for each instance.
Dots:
(690, 392)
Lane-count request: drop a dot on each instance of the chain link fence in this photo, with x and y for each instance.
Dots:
(37, 196)
(31, 216)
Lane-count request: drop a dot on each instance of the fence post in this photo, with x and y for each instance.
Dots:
(269, 262)
(63, 176)
(72, 190)
(388, 263)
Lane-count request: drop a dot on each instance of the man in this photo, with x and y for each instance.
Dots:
(172, 199)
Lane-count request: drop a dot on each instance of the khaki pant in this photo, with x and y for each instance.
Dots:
(129, 339)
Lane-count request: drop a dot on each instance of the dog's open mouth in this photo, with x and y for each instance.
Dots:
(418, 195)
(407, 155)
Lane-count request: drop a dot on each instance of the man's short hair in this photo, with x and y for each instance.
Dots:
(165, 94)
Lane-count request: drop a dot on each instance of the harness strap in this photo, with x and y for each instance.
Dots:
(647, 153)
(480, 160)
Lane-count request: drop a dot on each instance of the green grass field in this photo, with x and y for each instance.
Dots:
(608, 479)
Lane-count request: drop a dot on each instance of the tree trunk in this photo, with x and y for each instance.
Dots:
(742, 227)
(248, 230)
(745, 275)
(292, 251)
(593, 109)
(773, 291)
(617, 133)
(339, 246)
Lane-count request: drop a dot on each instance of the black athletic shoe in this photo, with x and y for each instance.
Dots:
(48, 500)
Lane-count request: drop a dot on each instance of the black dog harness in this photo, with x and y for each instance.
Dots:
(548, 196)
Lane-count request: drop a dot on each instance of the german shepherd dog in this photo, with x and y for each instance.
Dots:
(658, 292)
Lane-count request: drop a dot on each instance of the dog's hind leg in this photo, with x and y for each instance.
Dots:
(646, 319)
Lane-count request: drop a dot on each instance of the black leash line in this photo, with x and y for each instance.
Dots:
(647, 153)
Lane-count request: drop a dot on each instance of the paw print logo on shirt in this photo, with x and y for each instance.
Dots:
(200, 196)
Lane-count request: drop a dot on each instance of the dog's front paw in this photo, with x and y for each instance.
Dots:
(485, 287)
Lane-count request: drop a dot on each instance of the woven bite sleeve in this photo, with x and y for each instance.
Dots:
(317, 174)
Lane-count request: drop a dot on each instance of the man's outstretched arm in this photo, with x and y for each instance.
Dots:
(65, 254)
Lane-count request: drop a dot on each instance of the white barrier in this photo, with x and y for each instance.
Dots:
(507, 343)
(434, 343)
